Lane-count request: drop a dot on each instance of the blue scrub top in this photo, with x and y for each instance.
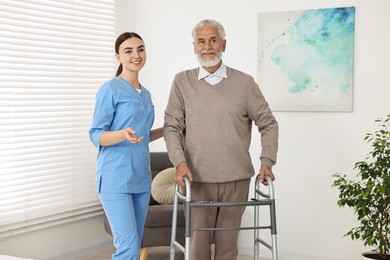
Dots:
(123, 167)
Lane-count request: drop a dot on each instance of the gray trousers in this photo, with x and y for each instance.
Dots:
(226, 242)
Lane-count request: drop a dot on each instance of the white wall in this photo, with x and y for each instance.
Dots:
(313, 146)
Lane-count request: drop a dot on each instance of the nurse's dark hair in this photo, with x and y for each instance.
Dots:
(121, 38)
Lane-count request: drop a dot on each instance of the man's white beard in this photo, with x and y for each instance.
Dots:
(210, 63)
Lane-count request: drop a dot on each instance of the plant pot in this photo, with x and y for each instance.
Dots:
(374, 254)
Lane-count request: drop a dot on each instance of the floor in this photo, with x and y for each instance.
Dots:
(155, 253)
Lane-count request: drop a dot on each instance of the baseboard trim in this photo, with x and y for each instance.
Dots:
(83, 252)
(282, 255)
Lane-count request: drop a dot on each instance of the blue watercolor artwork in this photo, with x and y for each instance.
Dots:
(305, 59)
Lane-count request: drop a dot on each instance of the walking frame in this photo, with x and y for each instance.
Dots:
(260, 199)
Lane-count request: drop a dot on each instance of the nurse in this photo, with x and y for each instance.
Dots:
(121, 131)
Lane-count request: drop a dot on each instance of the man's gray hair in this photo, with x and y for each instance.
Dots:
(209, 23)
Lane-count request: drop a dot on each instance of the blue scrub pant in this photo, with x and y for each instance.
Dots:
(126, 213)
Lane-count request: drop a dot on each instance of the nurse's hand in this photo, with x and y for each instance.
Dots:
(130, 136)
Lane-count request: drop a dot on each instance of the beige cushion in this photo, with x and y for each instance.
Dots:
(163, 185)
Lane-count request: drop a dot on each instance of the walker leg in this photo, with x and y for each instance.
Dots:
(256, 255)
(256, 233)
(187, 249)
(274, 248)
(172, 251)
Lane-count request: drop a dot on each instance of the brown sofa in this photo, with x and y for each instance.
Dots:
(159, 219)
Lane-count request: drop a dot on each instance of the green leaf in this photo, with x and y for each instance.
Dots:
(369, 194)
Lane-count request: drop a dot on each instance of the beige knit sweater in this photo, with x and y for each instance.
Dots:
(210, 127)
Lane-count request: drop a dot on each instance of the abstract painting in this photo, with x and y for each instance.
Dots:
(305, 59)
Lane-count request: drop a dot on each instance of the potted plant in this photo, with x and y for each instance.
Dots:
(369, 193)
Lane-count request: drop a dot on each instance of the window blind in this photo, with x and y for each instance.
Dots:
(54, 55)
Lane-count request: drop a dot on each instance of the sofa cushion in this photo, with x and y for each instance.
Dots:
(158, 161)
(163, 185)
